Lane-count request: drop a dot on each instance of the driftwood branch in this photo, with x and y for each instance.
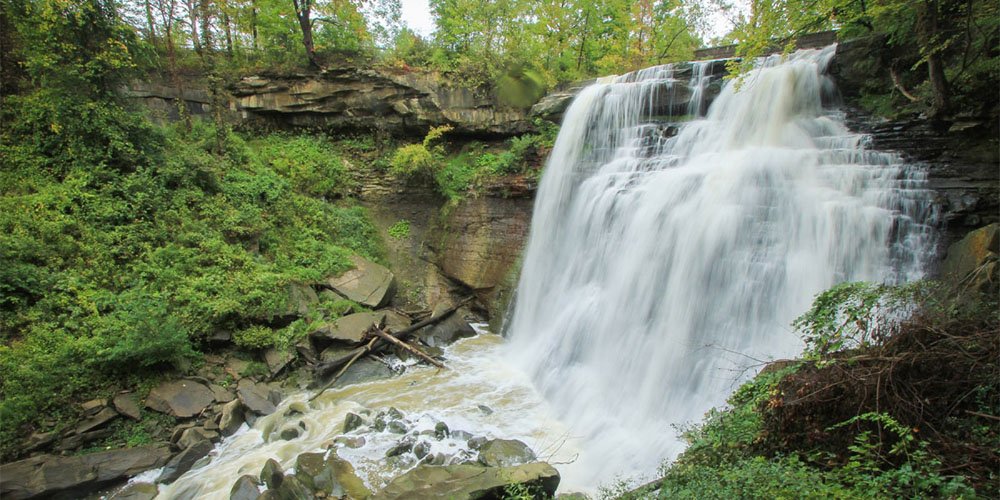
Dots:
(896, 82)
(361, 352)
(325, 369)
(393, 340)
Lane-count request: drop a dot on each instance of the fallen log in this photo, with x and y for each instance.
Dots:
(324, 369)
(361, 352)
(393, 340)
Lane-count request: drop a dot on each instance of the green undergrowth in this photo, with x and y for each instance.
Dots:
(895, 397)
(125, 244)
(460, 168)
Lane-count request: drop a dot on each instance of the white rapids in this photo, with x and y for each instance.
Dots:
(660, 271)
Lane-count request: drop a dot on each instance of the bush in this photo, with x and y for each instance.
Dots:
(413, 160)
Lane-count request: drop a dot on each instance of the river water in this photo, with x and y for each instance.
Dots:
(667, 258)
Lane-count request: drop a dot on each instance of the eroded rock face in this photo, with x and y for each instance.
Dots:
(47, 475)
(468, 482)
(482, 239)
(358, 99)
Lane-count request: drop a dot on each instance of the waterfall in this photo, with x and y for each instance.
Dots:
(666, 261)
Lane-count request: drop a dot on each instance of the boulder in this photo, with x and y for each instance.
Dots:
(255, 397)
(331, 475)
(193, 435)
(277, 360)
(301, 299)
(93, 406)
(452, 328)
(468, 481)
(245, 488)
(97, 421)
(137, 491)
(180, 398)
(48, 475)
(231, 417)
(364, 370)
(307, 350)
(222, 395)
(505, 452)
(403, 446)
(127, 405)
(973, 260)
(368, 284)
(352, 421)
(291, 489)
(183, 461)
(272, 475)
(74, 441)
(350, 328)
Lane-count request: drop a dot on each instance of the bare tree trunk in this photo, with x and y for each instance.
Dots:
(204, 8)
(928, 32)
(229, 33)
(193, 19)
(303, 11)
(151, 30)
(253, 23)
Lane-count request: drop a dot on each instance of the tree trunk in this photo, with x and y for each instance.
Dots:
(928, 31)
(204, 9)
(253, 24)
(229, 33)
(151, 30)
(303, 10)
(193, 19)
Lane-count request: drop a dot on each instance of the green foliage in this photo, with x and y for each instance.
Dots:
(311, 164)
(413, 160)
(855, 314)
(255, 337)
(400, 230)
(124, 245)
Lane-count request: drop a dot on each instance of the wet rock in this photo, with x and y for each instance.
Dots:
(136, 491)
(404, 446)
(331, 475)
(394, 413)
(183, 461)
(245, 488)
(365, 370)
(127, 405)
(452, 328)
(277, 360)
(505, 452)
(352, 421)
(272, 475)
(476, 442)
(289, 433)
(421, 449)
(467, 482)
(350, 441)
(180, 398)
(193, 435)
(291, 489)
(368, 284)
(396, 427)
(485, 409)
(441, 430)
(178, 431)
(462, 435)
(231, 418)
(255, 397)
(49, 475)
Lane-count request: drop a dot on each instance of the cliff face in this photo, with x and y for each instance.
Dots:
(349, 99)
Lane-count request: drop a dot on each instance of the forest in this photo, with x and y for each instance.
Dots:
(126, 243)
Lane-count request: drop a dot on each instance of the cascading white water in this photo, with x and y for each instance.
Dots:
(659, 268)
